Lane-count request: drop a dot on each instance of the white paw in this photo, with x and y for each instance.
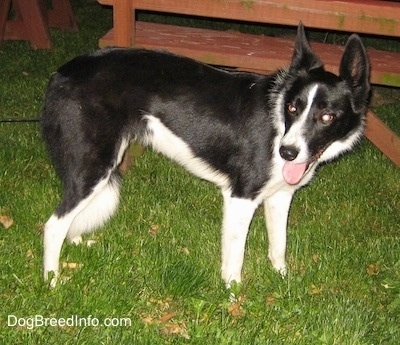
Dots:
(278, 263)
(281, 269)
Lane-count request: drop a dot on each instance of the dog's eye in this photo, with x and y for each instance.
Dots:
(327, 118)
(292, 109)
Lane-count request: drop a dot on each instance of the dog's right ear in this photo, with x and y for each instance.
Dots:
(303, 58)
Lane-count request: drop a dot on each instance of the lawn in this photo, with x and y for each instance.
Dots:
(152, 275)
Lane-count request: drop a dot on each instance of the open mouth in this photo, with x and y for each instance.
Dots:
(294, 172)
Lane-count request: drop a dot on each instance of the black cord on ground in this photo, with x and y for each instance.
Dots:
(15, 120)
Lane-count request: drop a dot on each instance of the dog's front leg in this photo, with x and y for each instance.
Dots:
(276, 209)
(237, 217)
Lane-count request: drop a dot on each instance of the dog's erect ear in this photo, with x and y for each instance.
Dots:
(303, 58)
(354, 69)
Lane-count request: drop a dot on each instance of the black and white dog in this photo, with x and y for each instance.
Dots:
(258, 138)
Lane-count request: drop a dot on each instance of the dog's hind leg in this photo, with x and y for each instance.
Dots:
(55, 230)
(101, 207)
(87, 214)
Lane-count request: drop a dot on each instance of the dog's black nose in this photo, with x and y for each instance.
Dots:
(288, 153)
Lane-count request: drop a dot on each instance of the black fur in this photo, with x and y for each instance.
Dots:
(95, 100)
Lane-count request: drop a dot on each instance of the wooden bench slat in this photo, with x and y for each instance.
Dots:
(249, 52)
(352, 15)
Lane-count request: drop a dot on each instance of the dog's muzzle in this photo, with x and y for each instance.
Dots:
(294, 172)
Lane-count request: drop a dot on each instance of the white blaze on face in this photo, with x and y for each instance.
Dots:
(293, 171)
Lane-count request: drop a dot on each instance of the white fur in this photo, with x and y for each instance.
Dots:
(276, 210)
(164, 141)
(55, 231)
(101, 207)
(276, 182)
(122, 148)
(295, 135)
(340, 147)
(90, 213)
(237, 216)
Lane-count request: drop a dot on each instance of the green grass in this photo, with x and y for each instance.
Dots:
(156, 263)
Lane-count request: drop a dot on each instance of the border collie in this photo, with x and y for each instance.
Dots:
(258, 138)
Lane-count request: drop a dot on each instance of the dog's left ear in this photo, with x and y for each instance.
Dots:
(303, 58)
(354, 69)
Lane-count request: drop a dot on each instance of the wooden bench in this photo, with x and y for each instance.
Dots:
(264, 54)
(32, 19)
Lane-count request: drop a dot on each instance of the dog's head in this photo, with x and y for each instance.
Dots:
(323, 114)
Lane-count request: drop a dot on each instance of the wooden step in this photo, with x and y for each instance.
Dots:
(249, 52)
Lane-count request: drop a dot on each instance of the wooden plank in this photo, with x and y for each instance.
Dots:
(383, 138)
(371, 16)
(245, 51)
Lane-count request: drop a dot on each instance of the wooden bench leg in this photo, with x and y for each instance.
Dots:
(62, 16)
(383, 138)
(124, 23)
(34, 22)
(4, 8)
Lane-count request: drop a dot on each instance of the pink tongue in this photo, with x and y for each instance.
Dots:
(292, 173)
